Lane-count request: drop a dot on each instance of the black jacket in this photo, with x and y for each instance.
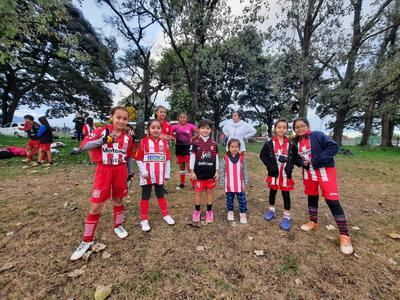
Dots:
(47, 137)
(267, 155)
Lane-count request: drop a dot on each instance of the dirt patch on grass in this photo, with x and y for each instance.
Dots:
(42, 217)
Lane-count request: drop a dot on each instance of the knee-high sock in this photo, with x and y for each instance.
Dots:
(182, 176)
(338, 214)
(313, 208)
(119, 215)
(144, 209)
(162, 203)
(90, 227)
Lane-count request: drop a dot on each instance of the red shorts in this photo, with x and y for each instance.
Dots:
(201, 185)
(277, 184)
(33, 144)
(109, 178)
(328, 187)
(44, 147)
(182, 159)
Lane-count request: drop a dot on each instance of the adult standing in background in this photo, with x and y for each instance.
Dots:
(79, 122)
(236, 128)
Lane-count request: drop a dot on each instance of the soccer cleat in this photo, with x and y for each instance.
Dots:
(286, 224)
(345, 245)
(310, 225)
(180, 187)
(196, 216)
(81, 250)
(269, 215)
(243, 218)
(121, 232)
(168, 219)
(231, 216)
(145, 225)
(209, 216)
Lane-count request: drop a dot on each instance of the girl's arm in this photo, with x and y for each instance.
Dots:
(264, 154)
(296, 158)
(329, 146)
(129, 162)
(221, 181)
(246, 176)
(139, 161)
(168, 163)
(250, 132)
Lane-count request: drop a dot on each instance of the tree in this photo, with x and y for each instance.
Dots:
(61, 66)
(135, 69)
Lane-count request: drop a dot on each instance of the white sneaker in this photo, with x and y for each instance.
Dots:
(243, 218)
(121, 232)
(168, 219)
(231, 216)
(81, 250)
(145, 225)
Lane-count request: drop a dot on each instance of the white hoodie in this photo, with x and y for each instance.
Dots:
(240, 130)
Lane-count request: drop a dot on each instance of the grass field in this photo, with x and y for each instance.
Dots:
(42, 215)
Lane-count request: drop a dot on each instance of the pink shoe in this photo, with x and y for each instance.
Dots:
(196, 216)
(209, 216)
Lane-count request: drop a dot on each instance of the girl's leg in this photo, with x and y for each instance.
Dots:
(29, 154)
(230, 197)
(162, 202)
(40, 155)
(242, 202)
(210, 199)
(182, 174)
(92, 220)
(144, 202)
(286, 204)
(338, 214)
(313, 208)
(270, 214)
(119, 212)
(48, 156)
(197, 205)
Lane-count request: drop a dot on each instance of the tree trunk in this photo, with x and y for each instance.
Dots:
(387, 130)
(8, 110)
(368, 118)
(144, 99)
(339, 126)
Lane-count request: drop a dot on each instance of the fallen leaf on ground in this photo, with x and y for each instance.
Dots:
(102, 292)
(200, 248)
(250, 238)
(34, 171)
(356, 255)
(330, 238)
(77, 272)
(25, 167)
(356, 228)
(98, 247)
(105, 255)
(391, 261)
(330, 227)
(66, 204)
(9, 233)
(259, 252)
(298, 281)
(7, 266)
(394, 235)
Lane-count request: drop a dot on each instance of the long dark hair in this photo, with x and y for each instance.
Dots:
(89, 121)
(44, 122)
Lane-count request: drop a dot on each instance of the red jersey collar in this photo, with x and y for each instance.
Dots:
(275, 139)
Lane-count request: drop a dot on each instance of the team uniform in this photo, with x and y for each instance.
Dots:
(166, 130)
(234, 176)
(31, 130)
(204, 161)
(153, 159)
(111, 170)
(111, 174)
(45, 137)
(183, 136)
(324, 177)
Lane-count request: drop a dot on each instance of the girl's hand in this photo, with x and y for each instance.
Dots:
(306, 162)
(145, 175)
(193, 176)
(216, 175)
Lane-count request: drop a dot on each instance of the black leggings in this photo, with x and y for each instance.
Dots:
(334, 205)
(146, 191)
(285, 195)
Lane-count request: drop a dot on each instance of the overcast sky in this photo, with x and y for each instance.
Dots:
(96, 13)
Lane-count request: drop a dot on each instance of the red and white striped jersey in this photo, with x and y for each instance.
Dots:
(110, 154)
(280, 149)
(234, 175)
(304, 149)
(153, 157)
(87, 130)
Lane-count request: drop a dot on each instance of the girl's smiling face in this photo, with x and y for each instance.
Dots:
(155, 129)
(281, 129)
(182, 119)
(301, 128)
(161, 113)
(234, 148)
(120, 119)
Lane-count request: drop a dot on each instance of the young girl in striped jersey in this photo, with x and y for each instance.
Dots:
(112, 150)
(154, 161)
(234, 176)
(317, 151)
(88, 129)
(279, 155)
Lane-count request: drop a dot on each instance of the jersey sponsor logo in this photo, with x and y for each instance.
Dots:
(205, 155)
(154, 157)
(113, 151)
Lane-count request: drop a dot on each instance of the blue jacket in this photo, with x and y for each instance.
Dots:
(323, 150)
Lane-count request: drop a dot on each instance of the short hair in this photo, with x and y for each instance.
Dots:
(304, 120)
(231, 141)
(29, 117)
(205, 122)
